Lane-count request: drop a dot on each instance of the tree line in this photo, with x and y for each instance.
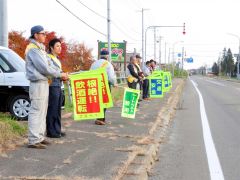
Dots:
(225, 65)
(74, 56)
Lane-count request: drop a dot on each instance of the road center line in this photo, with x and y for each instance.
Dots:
(212, 157)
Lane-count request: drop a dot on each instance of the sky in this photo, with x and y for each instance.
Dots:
(208, 24)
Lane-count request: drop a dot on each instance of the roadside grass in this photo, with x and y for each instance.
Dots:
(10, 128)
(179, 73)
(117, 94)
(68, 107)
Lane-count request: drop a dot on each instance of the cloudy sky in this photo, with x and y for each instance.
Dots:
(207, 24)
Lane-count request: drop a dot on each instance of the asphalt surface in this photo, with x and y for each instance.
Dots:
(88, 151)
(183, 154)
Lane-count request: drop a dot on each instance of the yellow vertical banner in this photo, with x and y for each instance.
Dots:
(106, 94)
(87, 96)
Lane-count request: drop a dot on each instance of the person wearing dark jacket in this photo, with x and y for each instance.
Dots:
(133, 73)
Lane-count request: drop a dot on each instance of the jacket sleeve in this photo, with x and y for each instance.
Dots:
(132, 72)
(111, 74)
(42, 65)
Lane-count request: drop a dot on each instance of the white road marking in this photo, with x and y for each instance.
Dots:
(217, 83)
(212, 157)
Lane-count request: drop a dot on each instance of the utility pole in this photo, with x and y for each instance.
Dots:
(169, 54)
(3, 24)
(160, 52)
(109, 30)
(165, 57)
(154, 27)
(155, 44)
(143, 55)
(142, 36)
(182, 57)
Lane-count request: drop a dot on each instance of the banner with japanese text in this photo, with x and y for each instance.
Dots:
(87, 96)
(130, 100)
(156, 86)
(165, 82)
(106, 94)
(169, 80)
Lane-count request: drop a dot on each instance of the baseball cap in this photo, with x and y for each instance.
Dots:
(139, 57)
(104, 52)
(36, 29)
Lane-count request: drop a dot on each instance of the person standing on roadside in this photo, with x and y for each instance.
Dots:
(132, 74)
(38, 71)
(146, 72)
(55, 93)
(141, 74)
(104, 63)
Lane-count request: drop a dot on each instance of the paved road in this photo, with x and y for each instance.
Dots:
(187, 152)
(88, 151)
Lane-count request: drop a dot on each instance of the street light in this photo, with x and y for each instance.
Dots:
(238, 58)
(154, 27)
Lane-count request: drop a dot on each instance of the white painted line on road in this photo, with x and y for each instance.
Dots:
(212, 157)
(217, 83)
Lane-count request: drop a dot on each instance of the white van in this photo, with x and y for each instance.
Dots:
(14, 86)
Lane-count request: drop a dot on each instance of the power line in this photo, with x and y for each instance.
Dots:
(81, 19)
(92, 10)
(113, 22)
(123, 31)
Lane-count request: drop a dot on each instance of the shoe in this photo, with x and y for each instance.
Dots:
(45, 142)
(37, 146)
(54, 136)
(63, 134)
(148, 99)
(98, 122)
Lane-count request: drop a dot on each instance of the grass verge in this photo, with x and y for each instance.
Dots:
(10, 129)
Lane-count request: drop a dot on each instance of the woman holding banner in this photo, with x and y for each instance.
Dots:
(55, 93)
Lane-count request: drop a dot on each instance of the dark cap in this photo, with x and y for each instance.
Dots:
(104, 52)
(36, 29)
(139, 57)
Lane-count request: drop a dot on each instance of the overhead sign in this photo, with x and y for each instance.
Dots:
(118, 49)
(189, 60)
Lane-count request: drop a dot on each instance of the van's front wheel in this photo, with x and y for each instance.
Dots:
(19, 107)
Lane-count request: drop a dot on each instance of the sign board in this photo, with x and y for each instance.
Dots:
(130, 100)
(87, 96)
(118, 49)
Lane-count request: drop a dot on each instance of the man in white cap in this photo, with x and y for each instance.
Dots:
(38, 71)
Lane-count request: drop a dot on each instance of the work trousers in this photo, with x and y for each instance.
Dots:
(145, 88)
(38, 93)
(54, 111)
(104, 109)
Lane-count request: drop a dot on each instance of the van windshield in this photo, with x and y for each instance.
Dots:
(14, 59)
